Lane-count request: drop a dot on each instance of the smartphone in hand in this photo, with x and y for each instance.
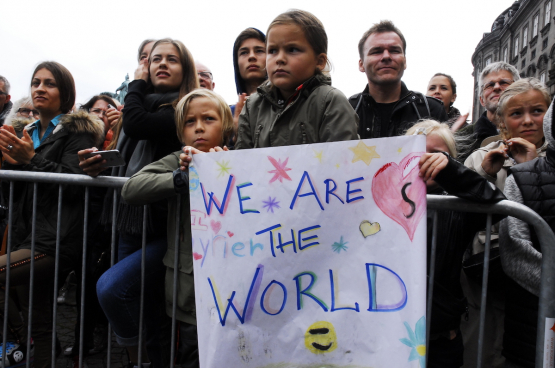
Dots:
(112, 157)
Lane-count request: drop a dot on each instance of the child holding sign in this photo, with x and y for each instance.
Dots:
(455, 230)
(204, 122)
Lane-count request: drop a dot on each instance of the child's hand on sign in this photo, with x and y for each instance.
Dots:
(431, 164)
(187, 156)
(219, 149)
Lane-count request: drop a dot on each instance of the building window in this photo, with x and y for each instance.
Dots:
(533, 54)
(536, 21)
(506, 55)
(516, 46)
(544, 44)
(547, 12)
(523, 63)
(488, 61)
(542, 77)
(525, 37)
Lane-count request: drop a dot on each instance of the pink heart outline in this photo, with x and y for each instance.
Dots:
(216, 226)
(387, 186)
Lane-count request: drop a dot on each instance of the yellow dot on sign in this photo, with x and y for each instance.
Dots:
(400, 149)
(364, 153)
(318, 155)
(320, 338)
(421, 350)
(337, 165)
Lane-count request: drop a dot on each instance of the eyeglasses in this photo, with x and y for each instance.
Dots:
(26, 112)
(205, 75)
(98, 112)
(503, 83)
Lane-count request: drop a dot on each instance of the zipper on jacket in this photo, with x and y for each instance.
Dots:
(257, 136)
(303, 133)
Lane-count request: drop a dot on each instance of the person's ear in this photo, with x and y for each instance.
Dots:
(482, 102)
(453, 98)
(8, 98)
(321, 61)
(361, 66)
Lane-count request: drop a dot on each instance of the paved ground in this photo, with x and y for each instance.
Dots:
(66, 324)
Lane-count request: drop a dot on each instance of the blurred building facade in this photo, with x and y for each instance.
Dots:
(523, 36)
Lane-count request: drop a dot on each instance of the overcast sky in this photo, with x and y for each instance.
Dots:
(98, 40)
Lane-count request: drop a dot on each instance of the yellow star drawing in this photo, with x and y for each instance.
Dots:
(337, 166)
(364, 153)
(400, 149)
(318, 155)
(223, 167)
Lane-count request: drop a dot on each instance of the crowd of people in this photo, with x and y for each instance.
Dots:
(285, 97)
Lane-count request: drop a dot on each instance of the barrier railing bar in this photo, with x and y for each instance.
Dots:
(175, 274)
(56, 277)
(7, 285)
(431, 284)
(484, 292)
(83, 278)
(32, 273)
(112, 261)
(142, 300)
(72, 179)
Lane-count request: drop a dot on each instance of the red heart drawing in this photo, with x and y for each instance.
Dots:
(230, 234)
(401, 198)
(216, 226)
(197, 256)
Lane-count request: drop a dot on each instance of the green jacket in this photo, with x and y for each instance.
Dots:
(320, 113)
(154, 183)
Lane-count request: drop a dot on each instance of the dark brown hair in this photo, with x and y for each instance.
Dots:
(382, 27)
(64, 82)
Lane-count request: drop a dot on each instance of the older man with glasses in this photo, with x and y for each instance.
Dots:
(5, 103)
(494, 79)
(205, 78)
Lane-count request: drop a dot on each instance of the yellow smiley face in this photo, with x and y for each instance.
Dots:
(320, 338)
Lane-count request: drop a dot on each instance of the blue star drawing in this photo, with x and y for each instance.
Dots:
(270, 204)
(338, 247)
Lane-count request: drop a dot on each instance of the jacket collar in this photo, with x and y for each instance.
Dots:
(484, 127)
(272, 95)
(404, 92)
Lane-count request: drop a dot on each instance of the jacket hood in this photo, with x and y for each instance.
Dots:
(19, 123)
(239, 81)
(80, 122)
(548, 123)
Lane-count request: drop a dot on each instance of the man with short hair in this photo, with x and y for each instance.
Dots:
(5, 103)
(386, 107)
(494, 79)
(205, 78)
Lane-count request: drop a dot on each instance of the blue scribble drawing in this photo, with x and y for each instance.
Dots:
(417, 341)
(270, 204)
(193, 179)
(338, 247)
(223, 167)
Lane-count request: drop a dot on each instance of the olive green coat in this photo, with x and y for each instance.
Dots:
(320, 113)
(154, 183)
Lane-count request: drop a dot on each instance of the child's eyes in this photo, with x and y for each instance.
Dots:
(190, 121)
(294, 49)
(271, 51)
(156, 59)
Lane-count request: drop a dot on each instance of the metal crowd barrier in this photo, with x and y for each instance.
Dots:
(545, 235)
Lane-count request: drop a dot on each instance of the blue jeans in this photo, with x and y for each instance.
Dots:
(119, 293)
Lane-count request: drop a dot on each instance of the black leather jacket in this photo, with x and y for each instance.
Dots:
(411, 107)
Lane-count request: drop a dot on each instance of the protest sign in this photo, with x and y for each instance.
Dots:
(311, 255)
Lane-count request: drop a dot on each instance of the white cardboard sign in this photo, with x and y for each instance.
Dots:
(311, 255)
